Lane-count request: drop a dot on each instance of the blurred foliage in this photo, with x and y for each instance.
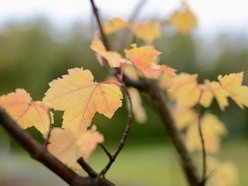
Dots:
(33, 54)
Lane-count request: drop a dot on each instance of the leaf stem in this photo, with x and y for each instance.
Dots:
(203, 145)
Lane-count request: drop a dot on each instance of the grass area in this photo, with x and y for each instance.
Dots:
(137, 165)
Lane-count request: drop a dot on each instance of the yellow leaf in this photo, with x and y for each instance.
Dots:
(80, 98)
(184, 19)
(131, 72)
(88, 141)
(211, 90)
(184, 116)
(138, 109)
(166, 79)
(212, 128)
(221, 173)
(113, 25)
(114, 59)
(232, 83)
(144, 59)
(148, 31)
(63, 146)
(26, 112)
(185, 90)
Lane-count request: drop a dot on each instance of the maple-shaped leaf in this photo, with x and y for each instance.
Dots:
(184, 116)
(148, 31)
(113, 25)
(184, 19)
(88, 142)
(24, 111)
(62, 144)
(114, 59)
(211, 89)
(232, 83)
(80, 98)
(144, 59)
(138, 109)
(68, 148)
(185, 90)
(212, 128)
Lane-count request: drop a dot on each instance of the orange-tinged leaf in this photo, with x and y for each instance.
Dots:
(80, 98)
(113, 25)
(212, 128)
(26, 112)
(184, 19)
(88, 142)
(114, 59)
(232, 83)
(185, 90)
(62, 144)
(148, 31)
(138, 109)
(144, 58)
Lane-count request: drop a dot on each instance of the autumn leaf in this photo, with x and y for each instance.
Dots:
(213, 129)
(80, 98)
(184, 116)
(24, 111)
(131, 72)
(184, 19)
(88, 142)
(62, 144)
(211, 90)
(113, 25)
(138, 109)
(167, 78)
(185, 90)
(144, 58)
(114, 59)
(232, 83)
(219, 170)
(148, 31)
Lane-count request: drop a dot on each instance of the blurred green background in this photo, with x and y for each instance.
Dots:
(33, 53)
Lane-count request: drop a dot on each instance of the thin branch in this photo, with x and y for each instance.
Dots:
(87, 168)
(124, 135)
(203, 146)
(121, 40)
(96, 13)
(173, 132)
(38, 152)
(106, 151)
